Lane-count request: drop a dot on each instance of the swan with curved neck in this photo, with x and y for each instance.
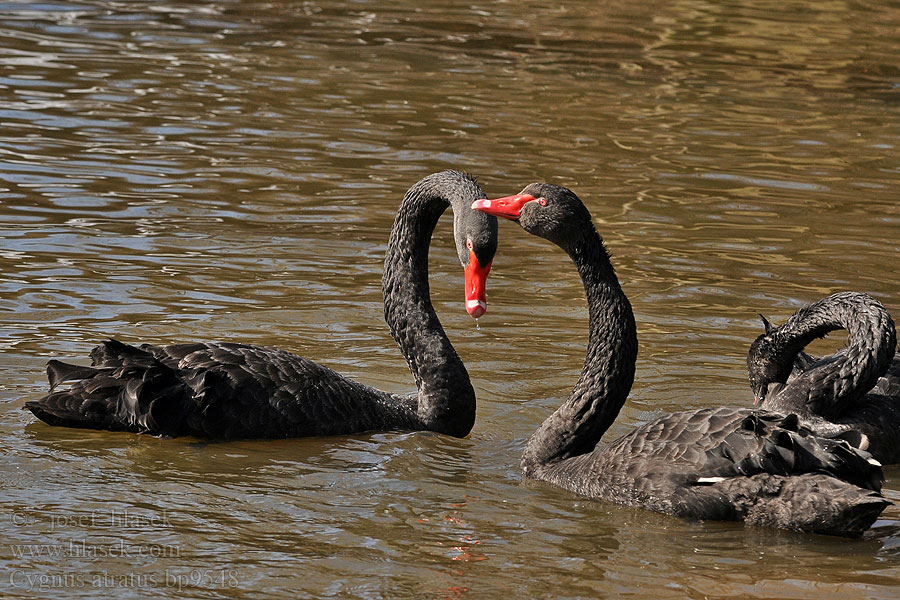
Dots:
(758, 467)
(853, 393)
(228, 390)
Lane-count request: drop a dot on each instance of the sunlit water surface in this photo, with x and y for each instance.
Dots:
(230, 170)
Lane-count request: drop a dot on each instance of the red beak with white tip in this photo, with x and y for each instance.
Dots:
(508, 207)
(476, 284)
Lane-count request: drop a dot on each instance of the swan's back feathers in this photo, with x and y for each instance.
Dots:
(223, 391)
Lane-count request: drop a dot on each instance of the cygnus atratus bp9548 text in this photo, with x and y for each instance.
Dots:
(227, 391)
(853, 393)
(736, 464)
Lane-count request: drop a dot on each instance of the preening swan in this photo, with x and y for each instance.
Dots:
(853, 393)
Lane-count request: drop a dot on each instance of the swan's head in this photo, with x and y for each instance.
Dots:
(475, 235)
(476, 245)
(769, 364)
(550, 211)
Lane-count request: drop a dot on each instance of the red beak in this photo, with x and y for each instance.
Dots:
(508, 207)
(476, 284)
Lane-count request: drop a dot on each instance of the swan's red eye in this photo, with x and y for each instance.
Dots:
(542, 201)
(469, 244)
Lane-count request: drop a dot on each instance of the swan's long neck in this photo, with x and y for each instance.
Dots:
(851, 372)
(608, 372)
(446, 400)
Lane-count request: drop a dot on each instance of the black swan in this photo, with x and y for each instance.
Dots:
(758, 467)
(853, 393)
(229, 391)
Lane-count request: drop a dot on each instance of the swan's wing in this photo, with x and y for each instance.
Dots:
(253, 391)
(777, 445)
(710, 445)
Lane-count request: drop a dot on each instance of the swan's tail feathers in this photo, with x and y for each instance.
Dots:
(64, 409)
(778, 445)
(126, 389)
(813, 503)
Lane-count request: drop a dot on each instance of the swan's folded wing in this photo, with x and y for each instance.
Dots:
(777, 445)
(252, 391)
(704, 446)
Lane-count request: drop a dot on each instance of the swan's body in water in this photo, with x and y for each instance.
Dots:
(758, 467)
(853, 393)
(227, 391)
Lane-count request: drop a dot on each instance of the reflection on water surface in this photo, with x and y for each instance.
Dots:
(229, 170)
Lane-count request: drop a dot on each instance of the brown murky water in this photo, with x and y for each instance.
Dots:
(229, 170)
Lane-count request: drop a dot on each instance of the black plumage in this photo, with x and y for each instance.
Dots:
(759, 467)
(229, 390)
(853, 393)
